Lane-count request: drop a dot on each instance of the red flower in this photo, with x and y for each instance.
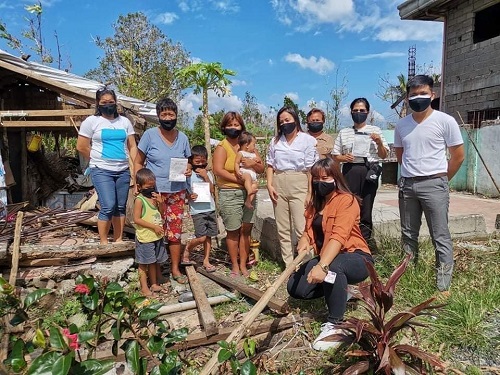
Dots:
(72, 338)
(82, 289)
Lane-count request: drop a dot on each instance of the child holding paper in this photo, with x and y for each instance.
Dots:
(202, 207)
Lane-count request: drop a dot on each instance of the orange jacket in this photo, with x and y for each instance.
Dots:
(340, 222)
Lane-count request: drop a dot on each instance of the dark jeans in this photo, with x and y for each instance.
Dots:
(355, 175)
(350, 269)
(112, 190)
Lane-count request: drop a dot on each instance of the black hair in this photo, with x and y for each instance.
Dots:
(199, 150)
(144, 175)
(164, 105)
(230, 116)
(419, 81)
(315, 110)
(360, 100)
(98, 94)
(295, 116)
(245, 138)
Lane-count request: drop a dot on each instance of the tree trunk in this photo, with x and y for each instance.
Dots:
(206, 125)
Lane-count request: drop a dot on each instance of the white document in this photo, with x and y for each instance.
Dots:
(177, 169)
(361, 145)
(202, 189)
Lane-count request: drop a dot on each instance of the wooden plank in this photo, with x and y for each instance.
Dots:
(205, 312)
(46, 112)
(16, 248)
(240, 331)
(274, 303)
(44, 262)
(38, 124)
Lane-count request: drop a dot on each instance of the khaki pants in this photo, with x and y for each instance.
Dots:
(289, 210)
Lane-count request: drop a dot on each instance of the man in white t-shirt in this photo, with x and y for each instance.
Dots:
(420, 141)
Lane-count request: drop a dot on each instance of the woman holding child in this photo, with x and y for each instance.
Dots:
(238, 218)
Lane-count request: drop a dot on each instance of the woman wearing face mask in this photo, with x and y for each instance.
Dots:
(157, 147)
(291, 154)
(107, 140)
(355, 168)
(332, 231)
(238, 219)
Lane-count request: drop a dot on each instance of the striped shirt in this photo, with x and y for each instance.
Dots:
(345, 141)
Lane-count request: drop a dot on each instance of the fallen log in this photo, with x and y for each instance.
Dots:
(255, 294)
(112, 250)
(236, 335)
(169, 309)
(206, 314)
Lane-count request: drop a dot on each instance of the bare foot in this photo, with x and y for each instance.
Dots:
(146, 293)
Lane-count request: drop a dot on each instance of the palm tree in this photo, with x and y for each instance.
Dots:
(203, 77)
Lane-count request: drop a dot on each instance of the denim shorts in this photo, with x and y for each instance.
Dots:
(233, 210)
(150, 252)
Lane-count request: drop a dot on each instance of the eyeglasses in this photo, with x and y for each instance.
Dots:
(359, 110)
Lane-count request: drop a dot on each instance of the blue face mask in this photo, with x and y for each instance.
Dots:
(288, 128)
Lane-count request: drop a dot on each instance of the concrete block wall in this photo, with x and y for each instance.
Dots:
(471, 71)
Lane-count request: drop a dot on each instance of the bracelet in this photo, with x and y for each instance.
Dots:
(324, 267)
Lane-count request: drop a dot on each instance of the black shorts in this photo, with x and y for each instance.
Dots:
(205, 224)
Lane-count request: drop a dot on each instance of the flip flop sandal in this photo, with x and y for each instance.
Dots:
(211, 268)
(160, 290)
(181, 279)
(188, 263)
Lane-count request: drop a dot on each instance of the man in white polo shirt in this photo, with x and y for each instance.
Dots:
(420, 141)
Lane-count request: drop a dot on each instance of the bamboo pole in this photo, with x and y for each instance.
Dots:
(236, 335)
(169, 309)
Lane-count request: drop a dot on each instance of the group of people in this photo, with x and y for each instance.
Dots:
(322, 191)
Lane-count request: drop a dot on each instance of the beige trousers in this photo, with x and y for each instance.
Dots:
(289, 210)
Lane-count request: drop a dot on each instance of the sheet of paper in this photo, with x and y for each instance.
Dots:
(177, 169)
(361, 145)
(202, 189)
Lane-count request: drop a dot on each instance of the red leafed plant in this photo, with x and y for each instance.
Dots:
(378, 350)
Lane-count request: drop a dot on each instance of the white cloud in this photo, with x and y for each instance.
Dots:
(293, 96)
(319, 65)
(401, 31)
(226, 6)
(322, 11)
(166, 18)
(381, 55)
(238, 82)
(192, 103)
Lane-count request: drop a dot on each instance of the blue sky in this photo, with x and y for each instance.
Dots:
(276, 47)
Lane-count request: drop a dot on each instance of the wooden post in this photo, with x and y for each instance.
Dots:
(236, 335)
(16, 248)
(205, 312)
(24, 167)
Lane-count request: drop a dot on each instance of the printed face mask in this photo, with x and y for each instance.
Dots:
(168, 124)
(107, 109)
(359, 117)
(148, 193)
(232, 132)
(288, 128)
(323, 188)
(419, 103)
(315, 127)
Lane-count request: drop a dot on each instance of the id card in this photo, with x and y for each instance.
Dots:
(330, 277)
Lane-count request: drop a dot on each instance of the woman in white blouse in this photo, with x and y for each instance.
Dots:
(291, 154)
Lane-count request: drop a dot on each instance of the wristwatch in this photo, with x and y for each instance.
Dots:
(324, 267)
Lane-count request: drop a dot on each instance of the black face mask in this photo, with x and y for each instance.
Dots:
(359, 117)
(232, 132)
(168, 124)
(148, 193)
(323, 188)
(419, 103)
(199, 166)
(315, 127)
(107, 109)
(288, 128)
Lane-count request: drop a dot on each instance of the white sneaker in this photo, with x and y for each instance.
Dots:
(327, 329)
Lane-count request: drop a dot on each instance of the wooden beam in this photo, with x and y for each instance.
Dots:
(37, 124)
(16, 248)
(51, 84)
(47, 112)
(205, 312)
(274, 303)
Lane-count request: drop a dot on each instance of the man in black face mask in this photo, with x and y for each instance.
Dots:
(420, 142)
(315, 125)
